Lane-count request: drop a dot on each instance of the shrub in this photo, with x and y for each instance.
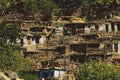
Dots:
(28, 75)
(98, 71)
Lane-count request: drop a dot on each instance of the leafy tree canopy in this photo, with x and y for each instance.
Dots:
(10, 56)
(11, 59)
(29, 6)
(98, 71)
(9, 31)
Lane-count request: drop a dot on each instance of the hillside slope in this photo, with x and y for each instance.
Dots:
(45, 9)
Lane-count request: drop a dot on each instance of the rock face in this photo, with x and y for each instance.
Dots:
(94, 10)
(3, 76)
(9, 75)
(89, 9)
(118, 2)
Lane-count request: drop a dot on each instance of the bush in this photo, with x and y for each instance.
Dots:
(98, 71)
(28, 75)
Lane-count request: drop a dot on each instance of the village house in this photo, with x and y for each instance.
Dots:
(76, 41)
(100, 39)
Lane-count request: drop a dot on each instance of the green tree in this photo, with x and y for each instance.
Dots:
(13, 32)
(10, 57)
(10, 32)
(33, 6)
(28, 75)
(4, 4)
(29, 7)
(98, 71)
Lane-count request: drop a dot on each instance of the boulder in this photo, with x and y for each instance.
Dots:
(11, 74)
(3, 76)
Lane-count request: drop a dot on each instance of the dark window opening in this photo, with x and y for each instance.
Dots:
(44, 74)
(113, 29)
(118, 26)
(106, 28)
(37, 39)
(116, 47)
(108, 46)
(96, 27)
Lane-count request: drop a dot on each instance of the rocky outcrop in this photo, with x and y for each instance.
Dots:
(94, 10)
(9, 75)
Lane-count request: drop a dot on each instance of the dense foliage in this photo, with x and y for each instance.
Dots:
(4, 4)
(10, 56)
(98, 71)
(28, 75)
(34, 6)
(11, 59)
(27, 7)
(10, 53)
(45, 6)
(11, 31)
(44, 9)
